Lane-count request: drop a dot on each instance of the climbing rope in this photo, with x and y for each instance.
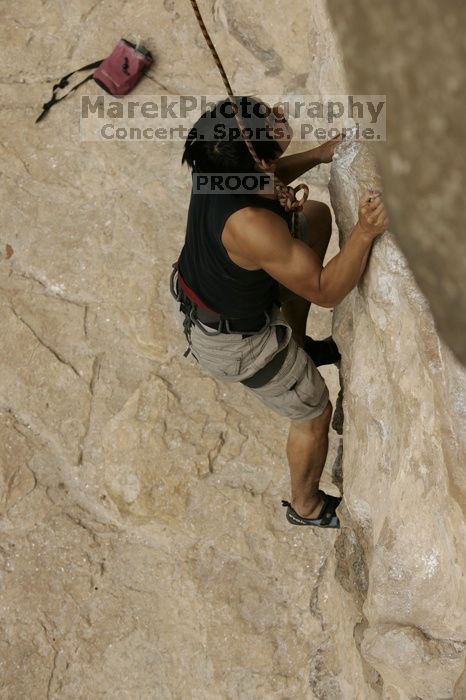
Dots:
(286, 195)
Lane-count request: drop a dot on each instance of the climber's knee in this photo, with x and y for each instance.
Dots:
(317, 425)
(317, 213)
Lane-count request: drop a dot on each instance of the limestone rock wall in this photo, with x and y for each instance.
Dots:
(144, 553)
(404, 452)
(414, 53)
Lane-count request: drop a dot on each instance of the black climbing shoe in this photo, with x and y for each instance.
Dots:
(322, 352)
(326, 518)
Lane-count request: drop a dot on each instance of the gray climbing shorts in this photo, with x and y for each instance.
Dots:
(298, 391)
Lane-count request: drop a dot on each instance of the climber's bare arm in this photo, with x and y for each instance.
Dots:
(263, 238)
(288, 168)
(344, 271)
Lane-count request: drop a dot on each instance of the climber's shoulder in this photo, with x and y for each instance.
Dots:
(257, 229)
(262, 237)
(253, 229)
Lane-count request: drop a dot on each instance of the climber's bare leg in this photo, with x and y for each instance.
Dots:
(319, 221)
(306, 451)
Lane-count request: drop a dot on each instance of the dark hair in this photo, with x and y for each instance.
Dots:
(215, 144)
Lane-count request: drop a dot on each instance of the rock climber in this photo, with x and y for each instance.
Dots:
(244, 285)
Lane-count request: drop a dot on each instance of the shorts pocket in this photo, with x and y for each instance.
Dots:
(220, 364)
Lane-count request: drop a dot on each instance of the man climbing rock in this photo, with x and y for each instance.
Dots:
(244, 285)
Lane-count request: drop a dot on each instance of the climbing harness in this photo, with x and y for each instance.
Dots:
(286, 194)
(198, 313)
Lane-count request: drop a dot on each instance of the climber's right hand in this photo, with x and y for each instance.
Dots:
(373, 219)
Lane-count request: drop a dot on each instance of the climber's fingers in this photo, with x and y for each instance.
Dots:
(384, 221)
(372, 207)
(327, 149)
(376, 209)
(365, 198)
(381, 219)
(369, 199)
(372, 215)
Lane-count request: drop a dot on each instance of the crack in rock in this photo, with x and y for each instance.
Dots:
(243, 33)
(55, 353)
(96, 365)
(49, 289)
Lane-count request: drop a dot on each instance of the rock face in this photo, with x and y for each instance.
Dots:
(404, 451)
(144, 553)
(414, 53)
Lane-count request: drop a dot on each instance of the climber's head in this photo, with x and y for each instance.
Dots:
(215, 145)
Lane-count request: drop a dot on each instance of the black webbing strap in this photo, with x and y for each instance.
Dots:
(266, 373)
(62, 84)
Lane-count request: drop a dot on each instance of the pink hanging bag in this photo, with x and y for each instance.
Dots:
(117, 74)
(122, 70)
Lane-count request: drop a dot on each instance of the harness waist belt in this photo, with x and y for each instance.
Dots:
(192, 296)
(211, 318)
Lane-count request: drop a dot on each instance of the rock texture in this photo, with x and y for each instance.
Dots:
(404, 451)
(415, 53)
(144, 553)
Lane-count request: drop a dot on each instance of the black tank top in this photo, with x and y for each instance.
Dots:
(206, 266)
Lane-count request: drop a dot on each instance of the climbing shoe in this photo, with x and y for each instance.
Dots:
(326, 518)
(322, 352)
